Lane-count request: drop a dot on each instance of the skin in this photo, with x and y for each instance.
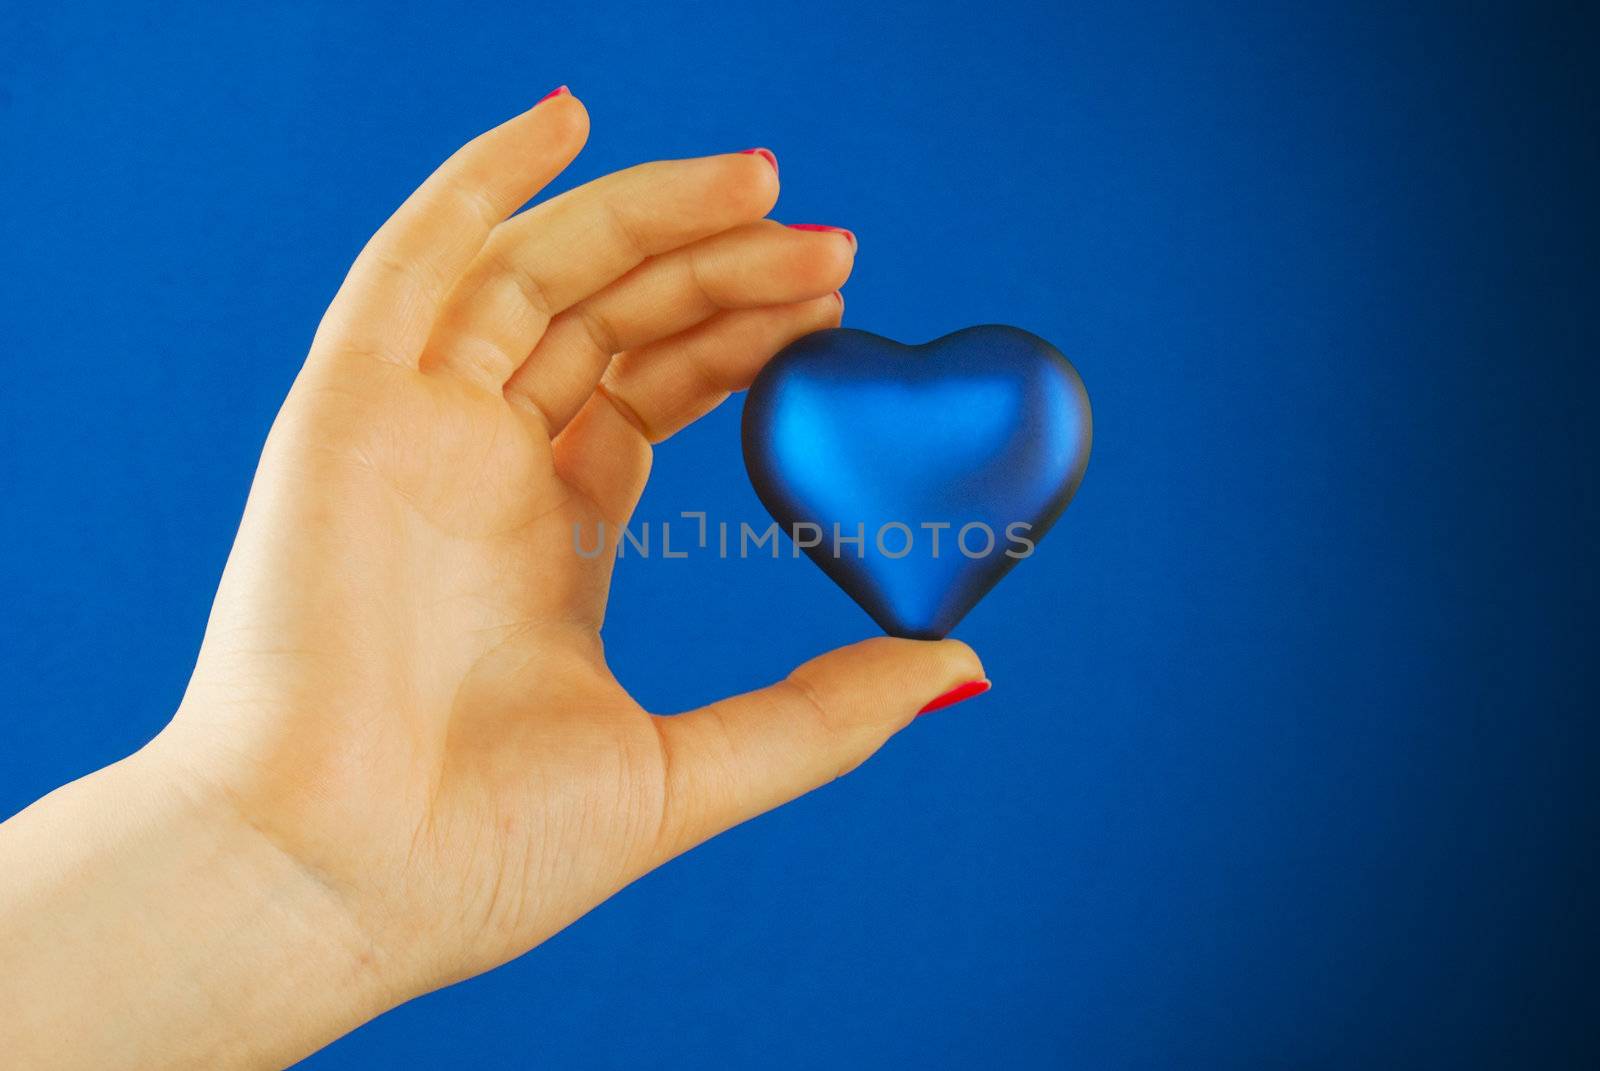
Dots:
(401, 759)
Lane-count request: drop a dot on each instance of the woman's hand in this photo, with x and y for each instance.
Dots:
(401, 759)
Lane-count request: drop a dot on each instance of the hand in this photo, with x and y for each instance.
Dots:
(401, 711)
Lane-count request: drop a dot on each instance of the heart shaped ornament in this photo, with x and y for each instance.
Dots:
(917, 476)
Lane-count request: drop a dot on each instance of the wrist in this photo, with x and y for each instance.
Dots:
(142, 892)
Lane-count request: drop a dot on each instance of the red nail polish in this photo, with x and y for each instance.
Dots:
(824, 227)
(956, 695)
(765, 154)
(556, 92)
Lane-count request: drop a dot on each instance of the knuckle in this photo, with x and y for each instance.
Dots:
(469, 199)
(619, 217)
(598, 326)
(483, 359)
(504, 264)
(805, 690)
(415, 277)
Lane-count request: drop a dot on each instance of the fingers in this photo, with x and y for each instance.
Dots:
(652, 392)
(669, 385)
(603, 456)
(732, 760)
(391, 298)
(761, 264)
(560, 252)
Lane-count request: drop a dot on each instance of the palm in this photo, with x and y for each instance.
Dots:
(564, 803)
(476, 608)
(402, 684)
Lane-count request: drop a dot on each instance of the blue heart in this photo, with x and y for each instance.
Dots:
(848, 434)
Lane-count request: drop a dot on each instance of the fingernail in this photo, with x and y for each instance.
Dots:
(956, 695)
(765, 154)
(824, 227)
(556, 92)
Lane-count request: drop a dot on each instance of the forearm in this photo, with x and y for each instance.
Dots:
(144, 925)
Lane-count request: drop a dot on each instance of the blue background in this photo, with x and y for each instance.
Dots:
(1289, 757)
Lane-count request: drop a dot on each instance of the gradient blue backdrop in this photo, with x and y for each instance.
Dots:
(1289, 756)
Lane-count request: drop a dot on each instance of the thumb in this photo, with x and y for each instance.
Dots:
(742, 756)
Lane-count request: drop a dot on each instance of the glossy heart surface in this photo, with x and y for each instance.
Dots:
(917, 476)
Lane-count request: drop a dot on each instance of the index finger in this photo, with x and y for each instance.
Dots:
(388, 303)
